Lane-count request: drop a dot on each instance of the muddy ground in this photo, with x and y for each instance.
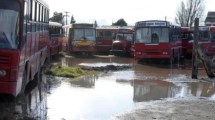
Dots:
(172, 109)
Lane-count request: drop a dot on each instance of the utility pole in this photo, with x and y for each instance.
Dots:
(195, 48)
(66, 12)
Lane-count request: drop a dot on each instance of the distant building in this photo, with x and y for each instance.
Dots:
(210, 19)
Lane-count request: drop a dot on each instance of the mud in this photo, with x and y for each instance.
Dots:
(172, 109)
(107, 68)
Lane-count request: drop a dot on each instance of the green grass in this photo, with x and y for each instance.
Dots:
(69, 72)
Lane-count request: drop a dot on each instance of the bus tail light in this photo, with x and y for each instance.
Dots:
(2, 73)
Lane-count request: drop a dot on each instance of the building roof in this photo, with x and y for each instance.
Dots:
(210, 17)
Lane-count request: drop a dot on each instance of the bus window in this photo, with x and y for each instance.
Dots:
(9, 18)
(108, 34)
(155, 38)
(79, 34)
(84, 34)
(164, 35)
(203, 35)
(213, 36)
(152, 35)
(90, 34)
(119, 37)
(128, 37)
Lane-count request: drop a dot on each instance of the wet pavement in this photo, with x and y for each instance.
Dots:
(102, 96)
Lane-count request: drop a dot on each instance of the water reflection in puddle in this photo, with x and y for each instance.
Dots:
(100, 97)
(99, 102)
(32, 106)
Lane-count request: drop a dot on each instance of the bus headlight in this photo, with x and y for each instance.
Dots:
(138, 53)
(165, 53)
(2, 72)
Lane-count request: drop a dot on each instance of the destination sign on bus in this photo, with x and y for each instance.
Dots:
(151, 23)
(204, 28)
(124, 31)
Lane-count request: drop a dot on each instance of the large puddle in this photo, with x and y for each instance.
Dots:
(103, 96)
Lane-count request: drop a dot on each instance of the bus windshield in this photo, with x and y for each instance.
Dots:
(9, 18)
(127, 36)
(84, 34)
(152, 35)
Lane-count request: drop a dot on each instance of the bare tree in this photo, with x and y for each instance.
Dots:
(187, 13)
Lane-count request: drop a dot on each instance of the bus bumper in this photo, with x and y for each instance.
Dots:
(8, 88)
(117, 52)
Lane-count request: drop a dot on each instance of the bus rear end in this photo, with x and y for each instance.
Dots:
(82, 39)
(122, 42)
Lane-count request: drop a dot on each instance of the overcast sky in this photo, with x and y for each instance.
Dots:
(107, 11)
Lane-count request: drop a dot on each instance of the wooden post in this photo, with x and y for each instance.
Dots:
(198, 54)
(195, 47)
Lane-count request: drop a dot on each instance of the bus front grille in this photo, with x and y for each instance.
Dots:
(4, 60)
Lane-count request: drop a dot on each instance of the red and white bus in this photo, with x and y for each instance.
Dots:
(23, 42)
(104, 38)
(82, 38)
(122, 42)
(157, 39)
(55, 38)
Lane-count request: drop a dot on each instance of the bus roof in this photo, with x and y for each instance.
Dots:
(108, 28)
(43, 2)
(55, 24)
(79, 25)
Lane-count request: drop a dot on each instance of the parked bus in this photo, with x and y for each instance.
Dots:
(82, 38)
(23, 43)
(55, 38)
(157, 39)
(203, 42)
(187, 38)
(104, 38)
(207, 38)
(122, 42)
